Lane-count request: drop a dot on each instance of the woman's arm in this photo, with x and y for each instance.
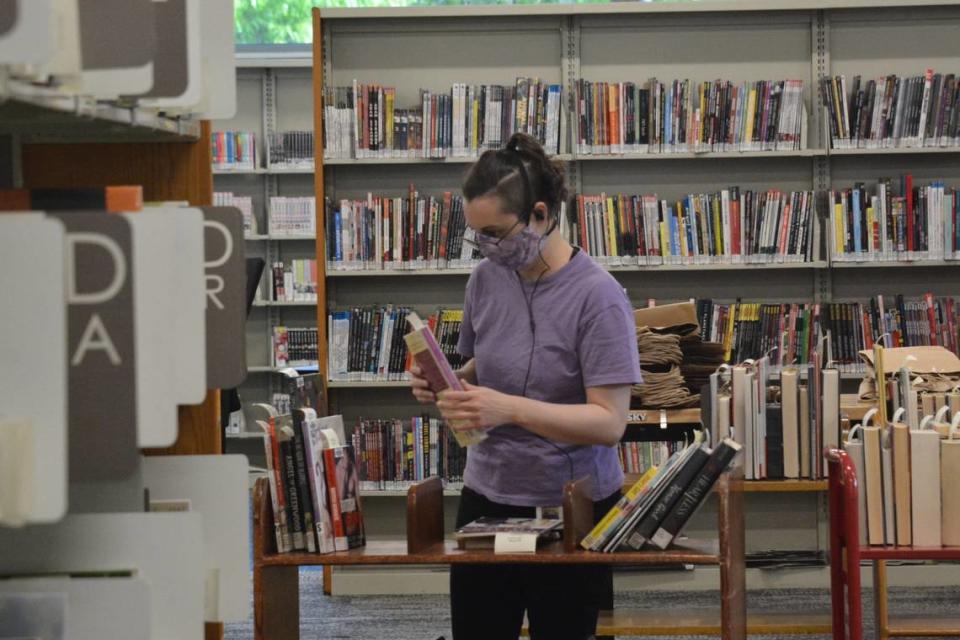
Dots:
(600, 421)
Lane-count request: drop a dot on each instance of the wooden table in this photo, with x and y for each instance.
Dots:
(276, 576)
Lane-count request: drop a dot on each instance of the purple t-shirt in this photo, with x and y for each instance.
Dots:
(585, 337)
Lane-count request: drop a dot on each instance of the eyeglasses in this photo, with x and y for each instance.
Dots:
(476, 239)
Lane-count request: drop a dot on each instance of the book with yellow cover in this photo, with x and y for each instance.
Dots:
(619, 511)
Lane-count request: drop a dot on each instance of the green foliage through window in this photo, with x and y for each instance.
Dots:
(288, 21)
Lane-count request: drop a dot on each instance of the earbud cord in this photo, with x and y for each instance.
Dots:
(533, 345)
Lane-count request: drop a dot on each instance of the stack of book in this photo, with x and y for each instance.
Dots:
(363, 121)
(393, 454)
(234, 150)
(293, 216)
(906, 471)
(314, 486)
(893, 111)
(684, 116)
(726, 227)
(416, 232)
(291, 150)
(294, 347)
(907, 223)
(366, 343)
(244, 203)
(294, 281)
(782, 430)
(655, 509)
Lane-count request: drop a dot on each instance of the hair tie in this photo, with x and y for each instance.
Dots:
(514, 146)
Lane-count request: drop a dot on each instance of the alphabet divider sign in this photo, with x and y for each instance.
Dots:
(101, 351)
(33, 370)
(226, 297)
(125, 317)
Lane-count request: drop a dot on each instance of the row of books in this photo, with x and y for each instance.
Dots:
(416, 232)
(314, 485)
(725, 227)
(655, 509)
(291, 149)
(244, 203)
(394, 453)
(294, 216)
(780, 439)
(234, 150)
(364, 121)
(294, 346)
(686, 116)
(366, 343)
(909, 223)
(893, 111)
(787, 332)
(638, 457)
(294, 281)
(906, 472)
(902, 321)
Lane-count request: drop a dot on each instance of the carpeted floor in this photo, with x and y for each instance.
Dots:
(426, 617)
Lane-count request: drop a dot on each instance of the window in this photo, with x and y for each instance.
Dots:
(277, 22)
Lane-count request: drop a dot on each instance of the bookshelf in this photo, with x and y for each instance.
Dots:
(623, 41)
(54, 137)
(738, 41)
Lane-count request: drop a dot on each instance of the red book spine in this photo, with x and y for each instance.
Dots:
(339, 531)
(931, 318)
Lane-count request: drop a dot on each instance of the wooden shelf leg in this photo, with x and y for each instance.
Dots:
(733, 570)
(880, 612)
(276, 603)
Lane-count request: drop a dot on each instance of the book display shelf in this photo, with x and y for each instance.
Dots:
(276, 580)
(847, 553)
(560, 44)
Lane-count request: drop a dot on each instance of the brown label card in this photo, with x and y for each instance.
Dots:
(9, 14)
(226, 279)
(117, 34)
(100, 342)
(171, 72)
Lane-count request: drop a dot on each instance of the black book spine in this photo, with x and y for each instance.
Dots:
(294, 507)
(695, 493)
(303, 483)
(650, 521)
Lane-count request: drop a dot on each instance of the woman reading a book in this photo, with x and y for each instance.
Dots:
(552, 353)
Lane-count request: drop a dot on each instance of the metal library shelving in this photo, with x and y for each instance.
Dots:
(739, 41)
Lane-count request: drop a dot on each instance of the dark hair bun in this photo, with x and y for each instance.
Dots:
(496, 173)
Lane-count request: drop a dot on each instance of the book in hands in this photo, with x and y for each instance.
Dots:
(482, 532)
(428, 355)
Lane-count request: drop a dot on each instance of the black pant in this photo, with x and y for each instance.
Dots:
(487, 602)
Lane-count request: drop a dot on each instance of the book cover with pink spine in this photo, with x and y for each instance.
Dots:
(423, 346)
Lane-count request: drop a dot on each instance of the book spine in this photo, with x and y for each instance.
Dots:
(652, 519)
(695, 494)
(294, 507)
(303, 484)
(339, 532)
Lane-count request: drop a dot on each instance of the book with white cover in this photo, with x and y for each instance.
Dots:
(155, 300)
(33, 369)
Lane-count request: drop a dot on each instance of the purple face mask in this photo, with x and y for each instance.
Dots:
(515, 252)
